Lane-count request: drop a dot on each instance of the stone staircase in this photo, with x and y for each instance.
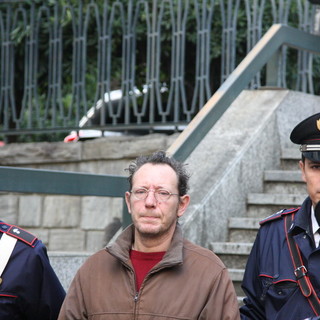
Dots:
(283, 188)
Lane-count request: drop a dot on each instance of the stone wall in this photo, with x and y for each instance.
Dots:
(72, 223)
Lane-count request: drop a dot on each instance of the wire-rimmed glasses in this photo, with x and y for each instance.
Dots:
(160, 194)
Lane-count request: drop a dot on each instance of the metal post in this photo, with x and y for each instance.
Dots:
(273, 70)
(316, 28)
(126, 217)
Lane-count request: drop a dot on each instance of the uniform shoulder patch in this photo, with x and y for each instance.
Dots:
(18, 233)
(278, 215)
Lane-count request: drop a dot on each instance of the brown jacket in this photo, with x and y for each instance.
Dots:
(190, 282)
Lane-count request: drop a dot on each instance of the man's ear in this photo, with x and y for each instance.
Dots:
(302, 168)
(127, 195)
(183, 204)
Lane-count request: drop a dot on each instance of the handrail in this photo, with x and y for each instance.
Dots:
(277, 36)
(26, 180)
(61, 182)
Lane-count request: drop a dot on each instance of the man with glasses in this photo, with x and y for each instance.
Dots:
(151, 271)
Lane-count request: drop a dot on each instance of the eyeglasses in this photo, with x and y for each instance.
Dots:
(160, 194)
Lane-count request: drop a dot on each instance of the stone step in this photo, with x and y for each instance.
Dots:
(66, 264)
(283, 175)
(283, 189)
(292, 153)
(243, 229)
(261, 205)
(236, 276)
(290, 158)
(233, 255)
(275, 199)
(284, 181)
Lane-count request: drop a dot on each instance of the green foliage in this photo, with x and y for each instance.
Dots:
(69, 19)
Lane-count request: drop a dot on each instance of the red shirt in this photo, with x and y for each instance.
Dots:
(143, 262)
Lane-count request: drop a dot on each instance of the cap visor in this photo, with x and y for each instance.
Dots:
(312, 155)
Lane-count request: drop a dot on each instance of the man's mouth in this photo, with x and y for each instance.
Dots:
(148, 217)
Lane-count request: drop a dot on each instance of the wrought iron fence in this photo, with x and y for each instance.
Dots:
(137, 65)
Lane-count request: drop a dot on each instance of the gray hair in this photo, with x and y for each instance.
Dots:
(160, 157)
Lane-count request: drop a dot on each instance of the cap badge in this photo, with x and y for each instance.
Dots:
(318, 124)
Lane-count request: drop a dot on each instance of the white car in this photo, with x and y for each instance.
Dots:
(93, 116)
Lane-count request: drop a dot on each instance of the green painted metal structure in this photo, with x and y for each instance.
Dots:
(27, 180)
(264, 51)
(70, 183)
(131, 66)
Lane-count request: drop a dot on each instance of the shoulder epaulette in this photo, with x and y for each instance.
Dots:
(278, 215)
(18, 233)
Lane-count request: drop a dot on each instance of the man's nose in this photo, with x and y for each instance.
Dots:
(151, 198)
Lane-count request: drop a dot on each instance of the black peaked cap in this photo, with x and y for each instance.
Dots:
(307, 134)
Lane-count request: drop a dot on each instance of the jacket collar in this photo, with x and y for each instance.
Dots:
(302, 220)
(122, 245)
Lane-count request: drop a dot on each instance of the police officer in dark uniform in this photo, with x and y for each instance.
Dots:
(282, 276)
(29, 288)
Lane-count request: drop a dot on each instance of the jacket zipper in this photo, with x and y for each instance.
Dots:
(136, 295)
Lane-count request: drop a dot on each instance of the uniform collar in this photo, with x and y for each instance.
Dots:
(315, 225)
(302, 219)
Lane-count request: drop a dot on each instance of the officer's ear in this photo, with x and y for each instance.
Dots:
(302, 165)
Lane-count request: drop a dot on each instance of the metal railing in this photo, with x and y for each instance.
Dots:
(134, 64)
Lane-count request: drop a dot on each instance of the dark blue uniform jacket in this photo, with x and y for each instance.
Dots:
(30, 290)
(269, 281)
